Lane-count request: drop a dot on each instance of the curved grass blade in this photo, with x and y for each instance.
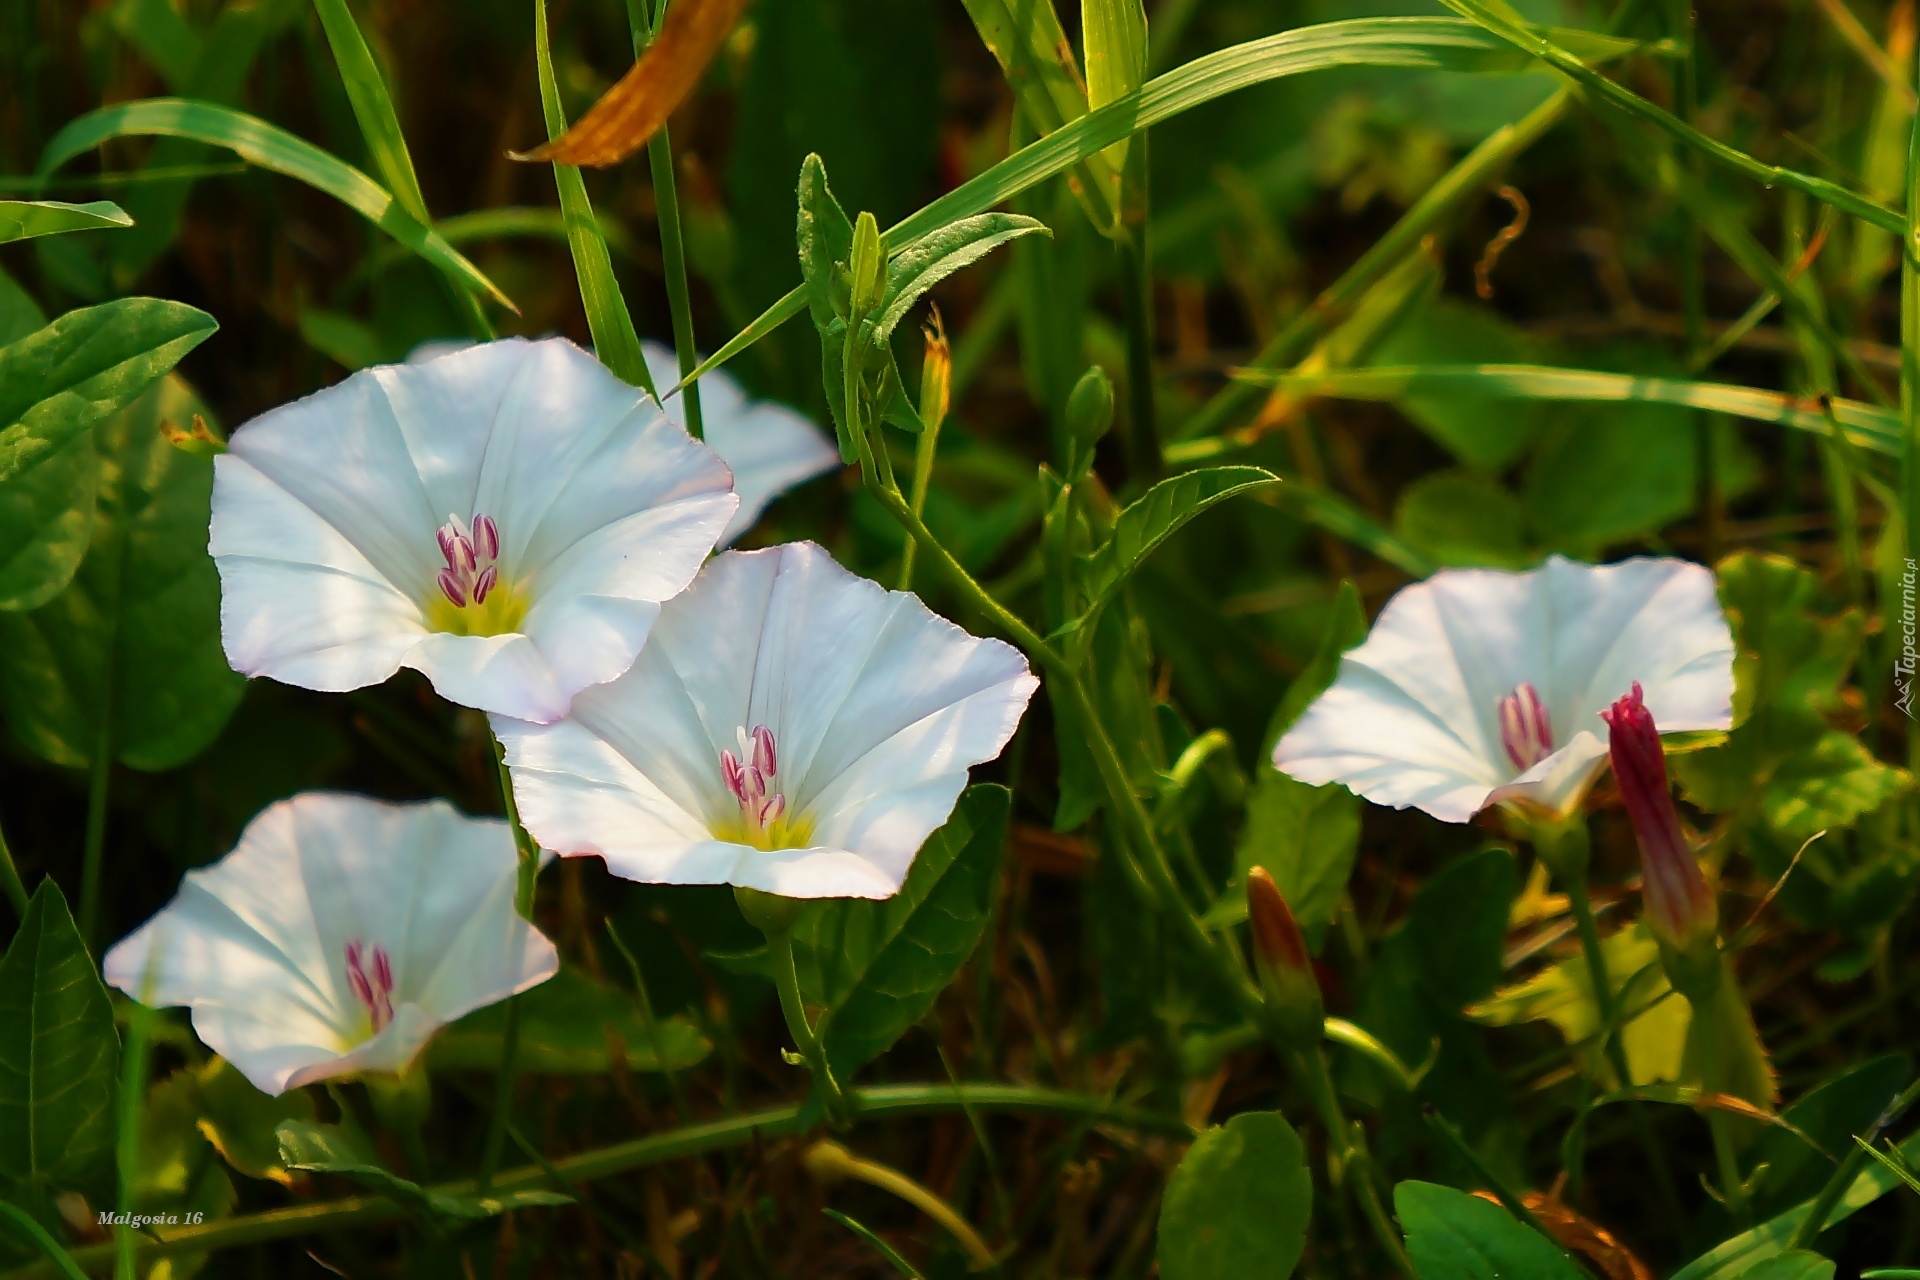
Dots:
(880, 1246)
(23, 1223)
(372, 105)
(25, 219)
(269, 147)
(1442, 44)
(1543, 46)
(1866, 426)
(614, 338)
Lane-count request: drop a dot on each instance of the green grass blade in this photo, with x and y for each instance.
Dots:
(1560, 59)
(372, 105)
(614, 338)
(269, 147)
(25, 219)
(1866, 426)
(1444, 44)
(24, 1224)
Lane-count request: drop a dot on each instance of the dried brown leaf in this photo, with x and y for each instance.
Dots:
(634, 109)
(1583, 1236)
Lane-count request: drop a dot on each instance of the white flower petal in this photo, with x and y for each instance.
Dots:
(879, 708)
(1412, 718)
(256, 944)
(325, 515)
(769, 447)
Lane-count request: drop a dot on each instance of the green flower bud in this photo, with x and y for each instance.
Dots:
(1090, 409)
(868, 265)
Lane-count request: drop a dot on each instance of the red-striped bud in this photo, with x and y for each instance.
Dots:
(1681, 908)
(1285, 965)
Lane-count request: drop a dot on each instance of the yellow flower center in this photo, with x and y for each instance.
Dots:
(499, 614)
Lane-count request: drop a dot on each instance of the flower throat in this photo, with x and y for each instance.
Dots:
(762, 818)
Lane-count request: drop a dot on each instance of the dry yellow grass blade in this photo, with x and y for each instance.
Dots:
(629, 113)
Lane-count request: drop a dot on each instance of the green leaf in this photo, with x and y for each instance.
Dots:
(326, 1148)
(239, 1120)
(1655, 1039)
(129, 652)
(1831, 784)
(61, 379)
(1306, 837)
(567, 1027)
(45, 516)
(25, 219)
(1114, 33)
(58, 1060)
(1829, 1114)
(1797, 1264)
(1866, 426)
(877, 966)
(939, 255)
(824, 236)
(1454, 1236)
(1460, 518)
(1143, 525)
(270, 147)
(1239, 1203)
(614, 340)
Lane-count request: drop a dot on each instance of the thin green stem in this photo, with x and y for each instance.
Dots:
(96, 835)
(59, 1261)
(504, 1081)
(673, 261)
(1136, 285)
(786, 980)
(1726, 1158)
(528, 876)
(1451, 1139)
(1349, 1165)
(879, 1103)
(133, 1091)
(923, 451)
(10, 881)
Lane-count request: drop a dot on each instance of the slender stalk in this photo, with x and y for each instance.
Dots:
(786, 980)
(133, 1089)
(96, 836)
(1726, 1158)
(1349, 1166)
(1136, 283)
(878, 1103)
(829, 1160)
(508, 1075)
(59, 1261)
(923, 451)
(1510, 1202)
(10, 881)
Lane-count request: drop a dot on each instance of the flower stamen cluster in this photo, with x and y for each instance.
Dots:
(370, 976)
(472, 557)
(749, 777)
(1526, 730)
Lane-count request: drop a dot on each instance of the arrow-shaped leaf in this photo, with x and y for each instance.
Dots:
(327, 1148)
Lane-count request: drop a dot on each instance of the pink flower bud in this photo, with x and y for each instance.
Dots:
(1286, 967)
(1681, 909)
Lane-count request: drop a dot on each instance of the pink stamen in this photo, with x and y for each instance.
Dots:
(750, 778)
(471, 572)
(373, 989)
(1526, 731)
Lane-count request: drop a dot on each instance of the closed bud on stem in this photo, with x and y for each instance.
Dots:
(936, 375)
(1286, 968)
(867, 265)
(1090, 410)
(1681, 908)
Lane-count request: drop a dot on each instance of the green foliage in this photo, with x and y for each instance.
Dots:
(570, 1025)
(338, 1149)
(1239, 1203)
(1307, 838)
(126, 660)
(58, 1051)
(1454, 1236)
(1796, 1264)
(60, 380)
(26, 219)
(875, 968)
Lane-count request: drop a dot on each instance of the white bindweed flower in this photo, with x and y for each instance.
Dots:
(769, 447)
(505, 518)
(337, 937)
(1478, 687)
(790, 727)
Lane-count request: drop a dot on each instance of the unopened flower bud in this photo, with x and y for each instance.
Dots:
(868, 265)
(1286, 967)
(1681, 909)
(1090, 408)
(936, 375)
